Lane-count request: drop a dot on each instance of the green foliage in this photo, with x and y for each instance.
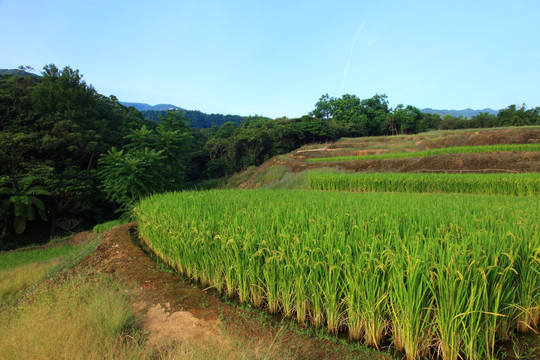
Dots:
(373, 117)
(153, 161)
(20, 203)
(128, 177)
(513, 116)
(53, 129)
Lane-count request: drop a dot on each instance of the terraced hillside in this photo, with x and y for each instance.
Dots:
(457, 151)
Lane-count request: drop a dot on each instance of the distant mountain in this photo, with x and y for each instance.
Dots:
(197, 119)
(16, 72)
(146, 107)
(468, 113)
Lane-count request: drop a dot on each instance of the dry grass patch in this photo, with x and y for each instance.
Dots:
(14, 281)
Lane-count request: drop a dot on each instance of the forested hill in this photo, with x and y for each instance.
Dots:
(147, 107)
(198, 119)
(468, 113)
(19, 72)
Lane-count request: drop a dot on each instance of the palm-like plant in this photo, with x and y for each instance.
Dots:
(20, 203)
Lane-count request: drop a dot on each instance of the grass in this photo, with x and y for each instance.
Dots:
(76, 319)
(106, 226)
(21, 270)
(301, 180)
(438, 133)
(9, 260)
(435, 273)
(441, 151)
(14, 281)
(489, 184)
(89, 316)
(238, 178)
(271, 175)
(278, 177)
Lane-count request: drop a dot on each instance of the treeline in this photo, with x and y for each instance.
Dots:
(69, 156)
(374, 117)
(197, 119)
(511, 116)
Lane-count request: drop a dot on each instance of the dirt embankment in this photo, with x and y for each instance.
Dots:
(174, 310)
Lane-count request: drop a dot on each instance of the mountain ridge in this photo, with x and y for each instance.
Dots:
(148, 107)
(468, 112)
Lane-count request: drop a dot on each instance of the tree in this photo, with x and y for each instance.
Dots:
(152, 161)
(514, 116)
(407, 118)
(54, 128)
(348, 109)
(429, 122)
(129, 176)
(324, 108)
(19, 203)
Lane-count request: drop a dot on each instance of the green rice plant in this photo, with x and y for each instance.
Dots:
(433, 152)
(318, 273)
(446, 274)
(332, 290)
(271, 278)
(450, 287)
(489, 184)
(367, 282)
(411, 304)
(528, 290)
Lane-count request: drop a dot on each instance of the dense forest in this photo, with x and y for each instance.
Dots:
(197, 119)
(69, 156)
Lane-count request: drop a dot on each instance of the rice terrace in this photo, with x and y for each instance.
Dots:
(269, 180)
(439, 265)
(421, 246)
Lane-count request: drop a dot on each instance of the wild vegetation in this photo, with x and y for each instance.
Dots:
(489, 184)
(438, 274)
(23, 269)
(82, 318)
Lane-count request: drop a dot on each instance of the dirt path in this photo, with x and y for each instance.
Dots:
(175, 311)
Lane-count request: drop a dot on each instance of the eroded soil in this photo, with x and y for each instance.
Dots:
(174, 310)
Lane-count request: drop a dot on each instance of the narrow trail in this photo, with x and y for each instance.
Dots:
(173, 310)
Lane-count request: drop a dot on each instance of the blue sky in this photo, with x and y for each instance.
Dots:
(276, 58)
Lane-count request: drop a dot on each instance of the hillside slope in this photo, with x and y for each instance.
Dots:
(488, 162)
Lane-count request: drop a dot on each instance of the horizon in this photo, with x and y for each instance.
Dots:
(278, 59)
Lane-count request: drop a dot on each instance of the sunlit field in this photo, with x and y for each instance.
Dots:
(446, 274)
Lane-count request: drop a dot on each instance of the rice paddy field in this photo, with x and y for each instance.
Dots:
(437, 275)
(433, 152)
(489, 184)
